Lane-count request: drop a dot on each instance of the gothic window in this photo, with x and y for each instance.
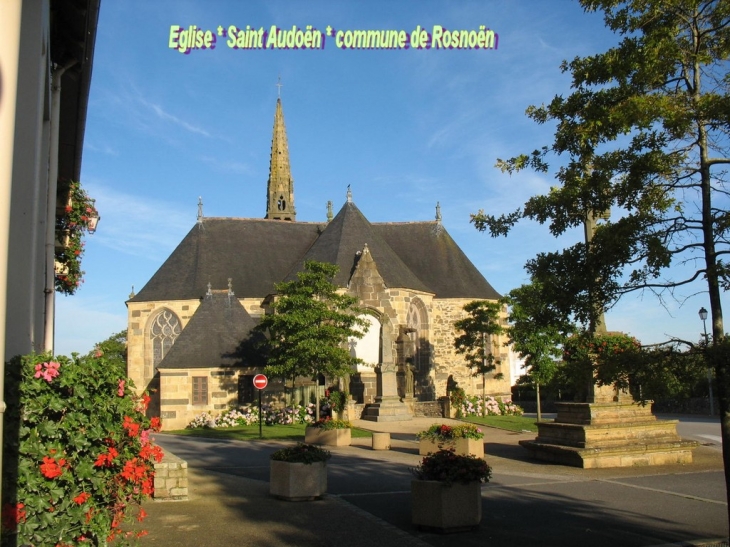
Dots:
(165, 328)
(367, 348)
(281, 204)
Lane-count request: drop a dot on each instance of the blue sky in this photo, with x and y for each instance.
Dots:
(406, 129)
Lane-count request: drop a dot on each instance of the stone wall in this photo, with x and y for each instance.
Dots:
(446, 362)
(139, 349)
(171, 479)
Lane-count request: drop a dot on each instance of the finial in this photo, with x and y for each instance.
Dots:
(365, 249)
(200, 209)
(230, 286)
(131, 295)
(210, 290)
(279, 85)
(349, 194)
(329, 211)
(438, 212)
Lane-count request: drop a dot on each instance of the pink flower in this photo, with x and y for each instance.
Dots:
(120, 390)
(47, 371)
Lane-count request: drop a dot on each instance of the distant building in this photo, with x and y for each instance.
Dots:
(188, 323)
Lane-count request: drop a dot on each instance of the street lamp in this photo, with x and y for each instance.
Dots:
(703, 317)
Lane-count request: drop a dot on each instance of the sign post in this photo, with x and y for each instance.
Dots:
(260, 381)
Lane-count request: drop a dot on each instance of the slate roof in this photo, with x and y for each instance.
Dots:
(344, 237)
(257, 253)
(213, 336)
(427, 249)
(254, 253)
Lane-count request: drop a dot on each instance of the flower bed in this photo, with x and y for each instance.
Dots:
(297, 414)
(462, 439)
(329, 432)
(474, 406)
(78, 451)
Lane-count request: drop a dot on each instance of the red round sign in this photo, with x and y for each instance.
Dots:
(260, 381)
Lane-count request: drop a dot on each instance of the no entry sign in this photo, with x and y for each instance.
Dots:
(260, 381)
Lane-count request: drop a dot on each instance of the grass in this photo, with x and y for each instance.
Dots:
(511, 423)
(251, 432)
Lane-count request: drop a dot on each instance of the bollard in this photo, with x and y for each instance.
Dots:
(381, 441)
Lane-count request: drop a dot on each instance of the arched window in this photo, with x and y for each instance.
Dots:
(164, 329)
(367, 348)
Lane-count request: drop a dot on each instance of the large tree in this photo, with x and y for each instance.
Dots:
(536, 334)
(644, 133)
(475, 341)
(307, 332)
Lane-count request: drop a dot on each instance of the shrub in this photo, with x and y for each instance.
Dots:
(474, 406)
(328, 423)
(457, 397)
(78, 455)
(447, 466)
(302, 453)
(296, 414)
(442, 433)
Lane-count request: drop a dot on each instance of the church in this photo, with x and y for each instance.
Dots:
(188, 326)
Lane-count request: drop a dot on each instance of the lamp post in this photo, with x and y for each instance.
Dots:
(703, 317)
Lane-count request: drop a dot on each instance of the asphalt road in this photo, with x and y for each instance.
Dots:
(526, 503)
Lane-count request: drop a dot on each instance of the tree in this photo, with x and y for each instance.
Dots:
(478, 327)
(310, 325)
(113, 349)
(535, 334)
(644, 133)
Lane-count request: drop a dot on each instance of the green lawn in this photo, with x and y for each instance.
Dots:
(512, 423)
(251, 432)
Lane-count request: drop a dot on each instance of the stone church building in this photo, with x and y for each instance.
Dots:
(188, 327)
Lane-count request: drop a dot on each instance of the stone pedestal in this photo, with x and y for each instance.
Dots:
(609, 434)
(387, 406)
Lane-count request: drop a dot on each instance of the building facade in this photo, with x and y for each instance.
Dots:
(190, 324)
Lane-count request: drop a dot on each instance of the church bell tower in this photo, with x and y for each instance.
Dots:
(280, 188)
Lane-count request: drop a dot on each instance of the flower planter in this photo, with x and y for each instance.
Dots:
(329, 437)
(298, 481)
(446, 507)
(460, 446)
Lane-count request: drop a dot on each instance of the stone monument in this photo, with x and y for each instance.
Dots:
(609, 429)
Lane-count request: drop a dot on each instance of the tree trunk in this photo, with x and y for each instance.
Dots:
(539, 409)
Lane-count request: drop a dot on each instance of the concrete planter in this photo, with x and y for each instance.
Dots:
(463, 447)
(446, 507)
(329, 437)
(298, 481)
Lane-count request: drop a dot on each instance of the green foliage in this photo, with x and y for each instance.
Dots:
(327, 424)
(481, 323)
(457, 398)
(338, 400)
(446, 466)
(443, 433)
(310, 326)
(609, 357)
(535, 332)
(78, 460)
(113, 349)
(302, 453)
(70, 227)
(643, 134)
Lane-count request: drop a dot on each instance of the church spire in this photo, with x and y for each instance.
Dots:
(280, 187)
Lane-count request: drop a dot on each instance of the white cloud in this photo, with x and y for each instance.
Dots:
(139, 226)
